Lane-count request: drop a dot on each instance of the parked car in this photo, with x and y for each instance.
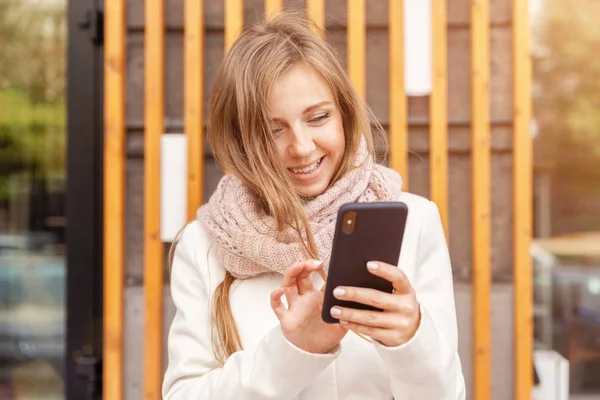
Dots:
(32, 302)
(568, 303)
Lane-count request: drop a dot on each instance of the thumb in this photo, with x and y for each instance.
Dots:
(276, 303)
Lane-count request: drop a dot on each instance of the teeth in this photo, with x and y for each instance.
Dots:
(306, 170)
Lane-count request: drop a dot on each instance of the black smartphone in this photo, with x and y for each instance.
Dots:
(363, 232)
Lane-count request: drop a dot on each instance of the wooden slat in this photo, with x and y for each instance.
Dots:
(114, 197)
(153, 247)
(234, 21)
(357, 45)
(522, 191)
(272, 7)
(439, 112)
(480, 159)
(398, 102)
(315, 11)
(194, 101)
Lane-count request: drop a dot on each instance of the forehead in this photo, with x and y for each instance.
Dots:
(298, 88)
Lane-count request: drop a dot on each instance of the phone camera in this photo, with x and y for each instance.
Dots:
(349, 222)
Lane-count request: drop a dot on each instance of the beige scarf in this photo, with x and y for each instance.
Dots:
(246, 238)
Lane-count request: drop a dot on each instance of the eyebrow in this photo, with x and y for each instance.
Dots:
(310, 109)
(315, 106)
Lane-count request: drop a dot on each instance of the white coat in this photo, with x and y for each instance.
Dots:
(269, 367)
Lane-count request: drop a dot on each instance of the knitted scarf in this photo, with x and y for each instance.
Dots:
(246, 237)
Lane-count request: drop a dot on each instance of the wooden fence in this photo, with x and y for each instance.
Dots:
(115, 132)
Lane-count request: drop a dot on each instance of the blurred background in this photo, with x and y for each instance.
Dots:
(33, 135)
(38, 38)
(566, 92)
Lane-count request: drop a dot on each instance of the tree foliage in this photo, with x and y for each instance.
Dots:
(32, 88)
(32, 48)
(567, 89)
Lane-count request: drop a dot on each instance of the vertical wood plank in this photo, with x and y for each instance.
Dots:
(315, 11)
(398, 101)
(193, 113)
(480, 159)
(357, 45)
(439, 112)
(114, 197)
(234, 21)
(154, 53)
(272, 7)
(522, 191)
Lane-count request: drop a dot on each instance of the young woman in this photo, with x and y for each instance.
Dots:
(296, 142)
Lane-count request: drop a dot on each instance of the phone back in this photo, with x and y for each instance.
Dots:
(364, 232)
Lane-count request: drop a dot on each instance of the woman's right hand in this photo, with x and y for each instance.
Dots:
(301, 321)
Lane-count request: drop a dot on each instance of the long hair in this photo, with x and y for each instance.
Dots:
(239, 131)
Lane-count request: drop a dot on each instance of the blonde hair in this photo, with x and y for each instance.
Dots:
(239, 131)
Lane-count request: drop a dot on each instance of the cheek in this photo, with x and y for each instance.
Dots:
(338, 140)
(281, 149)
(331, 139)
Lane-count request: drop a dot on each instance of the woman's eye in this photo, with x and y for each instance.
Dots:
(320, 118)
(277, 131)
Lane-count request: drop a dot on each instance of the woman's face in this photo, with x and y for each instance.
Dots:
(307, 127)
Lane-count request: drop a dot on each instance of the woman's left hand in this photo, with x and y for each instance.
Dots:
(400, 318)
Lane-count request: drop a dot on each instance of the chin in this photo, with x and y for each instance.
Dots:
(313, 190)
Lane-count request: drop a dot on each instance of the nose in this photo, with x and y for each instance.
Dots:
(302, 144)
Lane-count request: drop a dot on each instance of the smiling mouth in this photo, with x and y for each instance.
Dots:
(307, 170)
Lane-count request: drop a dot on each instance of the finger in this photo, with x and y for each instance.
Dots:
(366, 330)
(276, 303)
(392, 274)
(291, 294)
(290, 282)
(291, 274)
(370, 297)
(297, 278)
(305, 282)
(376, 319)
(387, 337)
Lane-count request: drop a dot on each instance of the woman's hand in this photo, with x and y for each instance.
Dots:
(301, 321)
(400, 318)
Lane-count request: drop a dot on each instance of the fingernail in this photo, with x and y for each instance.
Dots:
(338, 292)
(372, 265)
(336, 311)
(316, 263)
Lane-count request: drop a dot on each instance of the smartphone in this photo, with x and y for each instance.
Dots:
(363, 232)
